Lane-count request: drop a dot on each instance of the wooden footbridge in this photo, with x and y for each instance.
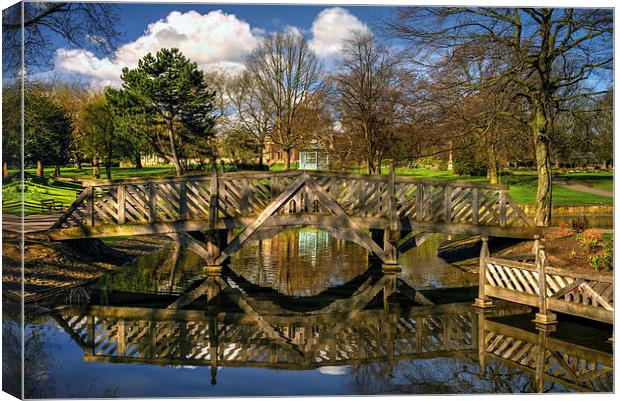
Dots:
(381, 213)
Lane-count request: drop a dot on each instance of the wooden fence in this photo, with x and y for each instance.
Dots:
(587, 295)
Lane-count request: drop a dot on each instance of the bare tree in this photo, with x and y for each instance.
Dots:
(286, 72)
(543, 50)
(82, 25)
(251, 106)
(368, 87)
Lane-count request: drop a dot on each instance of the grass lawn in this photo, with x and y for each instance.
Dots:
(37, 189)
(86, 172)
(281, 166)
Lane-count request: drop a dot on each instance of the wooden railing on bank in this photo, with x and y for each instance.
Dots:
(587, 295)
(226, 200)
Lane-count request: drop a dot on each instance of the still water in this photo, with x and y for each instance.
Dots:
(301, 313)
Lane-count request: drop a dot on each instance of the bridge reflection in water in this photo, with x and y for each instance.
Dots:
(224, 322)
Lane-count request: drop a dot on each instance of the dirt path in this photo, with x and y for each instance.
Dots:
(584, 188)
(32, 222)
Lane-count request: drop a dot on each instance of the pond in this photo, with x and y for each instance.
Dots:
(301, 313)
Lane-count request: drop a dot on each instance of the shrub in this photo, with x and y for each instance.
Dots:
(579, 224)
(600, 262)
(590, 240)
(470, 168)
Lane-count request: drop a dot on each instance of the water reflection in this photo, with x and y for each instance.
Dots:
(300, 263)
(311, 326)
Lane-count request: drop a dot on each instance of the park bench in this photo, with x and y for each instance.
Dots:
(50, 205)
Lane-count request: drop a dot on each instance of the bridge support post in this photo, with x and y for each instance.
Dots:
(483, 301)
(216, 241)
(544, 316)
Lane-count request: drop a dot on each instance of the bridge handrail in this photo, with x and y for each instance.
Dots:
(76, 203)
(294, 173)
(201, 177)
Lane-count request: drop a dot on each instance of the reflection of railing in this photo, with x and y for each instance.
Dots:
(117, 334)
(588, 295)
(545, 357)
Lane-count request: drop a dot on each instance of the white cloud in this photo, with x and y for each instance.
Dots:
(331, 28)
(214, 41)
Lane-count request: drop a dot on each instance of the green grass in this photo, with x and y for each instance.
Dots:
(281, 166)
(525, 194)
(35, 190)
(117, 172)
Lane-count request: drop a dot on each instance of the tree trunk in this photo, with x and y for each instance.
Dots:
(79, 163)
(492, 164)
(371, 167)
(40, 172)
(57, 170)
(138, 160)
(173, 151)
(5, 169)
(288, 159)
(108, 165)
(96, 172)
(543, 167)
(261, 146)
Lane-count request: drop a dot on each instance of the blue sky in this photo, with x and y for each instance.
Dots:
(135, 17)
(216, 36)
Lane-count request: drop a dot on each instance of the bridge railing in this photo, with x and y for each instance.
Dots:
(247, 194)
(587, 295)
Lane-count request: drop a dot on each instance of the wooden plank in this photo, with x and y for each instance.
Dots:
(90, 214)
(447, 203)
(588, 311)
(475, 205)
(419, 209)
(292, 220)
(512, 263)
(182, 200)
(213, 198)
(502, 208)
(605, 277)
(152, 203)
(121, 199)
(510, 295)
(392, 208)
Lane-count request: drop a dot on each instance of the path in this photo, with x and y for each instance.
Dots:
(32, 222)
(584, 188)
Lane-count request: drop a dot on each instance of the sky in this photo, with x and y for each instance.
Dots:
(214, 36)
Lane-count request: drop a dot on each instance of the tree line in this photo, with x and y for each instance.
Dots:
(479, 88)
